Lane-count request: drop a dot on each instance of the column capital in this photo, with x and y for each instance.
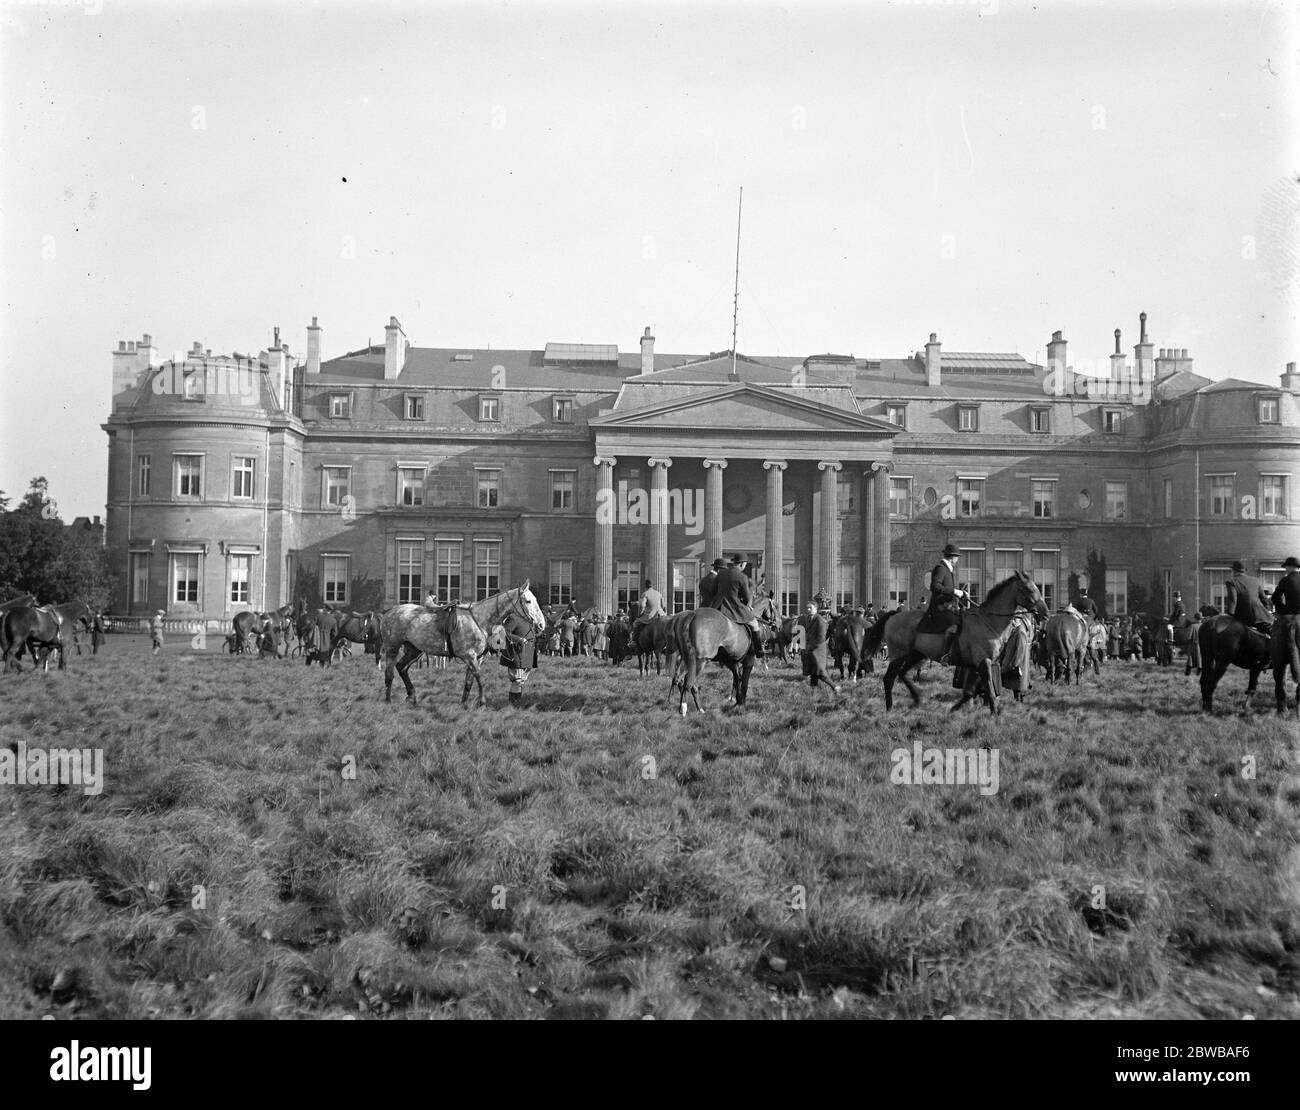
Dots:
(721, 464)
(605, 460)
(775, 464)
(657, 460)
(882, 467)
(830, 464)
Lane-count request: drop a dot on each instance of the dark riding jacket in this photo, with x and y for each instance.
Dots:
(1087, 607)
(520, 652)
(1176, 617)
(943, 591)
(1246, 600)
(1286, 597)
(731, 595)
(706, 589)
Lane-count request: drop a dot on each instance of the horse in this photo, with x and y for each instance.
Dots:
(1225, 641)
(789, 639)
(359, 628)
(1185, 637)
(620, 632)
(466, 631)
(1285, 651)
(33, 628)
(77, 617)
(979, 640)
(850, 635)
(25, 600)
(651, 642)
(316, 630)
(700, 635)
(245, 628)
(1066, 639)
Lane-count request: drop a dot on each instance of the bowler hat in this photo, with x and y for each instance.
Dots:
(1291, 561)
(719, 563)
(951, 550)
(161, 613)
(1238, 565)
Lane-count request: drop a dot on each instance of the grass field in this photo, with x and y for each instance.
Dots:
(535, 862)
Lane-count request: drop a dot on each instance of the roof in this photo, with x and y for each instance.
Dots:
(1229, 384)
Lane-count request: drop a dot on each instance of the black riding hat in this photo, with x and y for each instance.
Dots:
(1291, 561)
(951, 551)
(719, 563)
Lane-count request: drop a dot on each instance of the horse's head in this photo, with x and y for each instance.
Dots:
(1029, 595)
(531, 609)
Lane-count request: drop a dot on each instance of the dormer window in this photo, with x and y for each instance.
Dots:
(1112, 421)
(340, 406)
(1040, 421)
(413, 406)
(489, 409)
(1270, 410)
(968, 418)
(897, 415)
(562, 410)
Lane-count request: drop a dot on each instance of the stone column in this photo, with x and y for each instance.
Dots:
(603, 593)
(656, 568)
(880, 555)
(713, 469)
(866, 538)
(829, 553)
(773, 531)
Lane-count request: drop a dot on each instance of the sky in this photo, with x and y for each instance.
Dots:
(512, 174)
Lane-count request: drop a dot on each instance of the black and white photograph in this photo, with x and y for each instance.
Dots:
(743, 511)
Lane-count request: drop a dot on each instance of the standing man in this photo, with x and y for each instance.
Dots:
(520, 653)
(156, 630)
(816, 639)
(945, 598)
(1247, 601)
(731, 597)
(708, 585)
(1286, 629)
(1178, 615)
(96, 632)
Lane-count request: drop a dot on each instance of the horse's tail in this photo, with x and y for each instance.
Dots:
(875, 636)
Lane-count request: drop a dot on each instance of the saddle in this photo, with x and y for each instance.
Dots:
(936, 622)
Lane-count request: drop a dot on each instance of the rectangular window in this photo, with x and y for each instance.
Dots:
(414, 407)
(1040, 421)
(900, 577)
(489, 488)
(1218, 593)
(968, 418)
(900, 498)
(846, 492)
(410, 485)
(846, 578)
(487, 569)
(1221, 494)
(561, 581)
(1116, 500)
(139, 577)
(241, 477)
(1043, 572)
(340, 405)
(970, 572)
(338, 485)
(791, 577)
(627, 583)
(562, 410)
(1272, 496)
(562, 485)
(1169, 498)
(686, 581)
(241, 574)
(185, 578)
(897, 414)
(143, 471)
(489, 409)
(448, 559)
(1269, 408)
(410, 572)
(1116, 593)
(1006, 561)
(1043, 495)
(1269, 577)
(970, 492)
(189, 475)
(1167, 589)
(334, 579)
(1112, 421)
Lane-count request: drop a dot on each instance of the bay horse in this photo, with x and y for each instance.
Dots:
(651, 643)
(979, 642)
(359, 628)
(700, 635)
(849, 639)
(33, 628)
(467, 632)
(1066, 640)
(1285, 651)
(1226, 642)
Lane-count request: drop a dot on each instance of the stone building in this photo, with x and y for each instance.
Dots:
(249, 481)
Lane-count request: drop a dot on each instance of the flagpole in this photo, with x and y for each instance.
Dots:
(735, 304)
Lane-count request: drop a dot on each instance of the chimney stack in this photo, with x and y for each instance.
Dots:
(277, 369)
(394, 349)
(130, 361)
(313, 347)
(933, 361)
(1291, 380)
(647, 352)
(1143, 360)
(1117, 367)
(1056, 351)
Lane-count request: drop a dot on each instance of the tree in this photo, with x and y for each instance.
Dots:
(40, 556)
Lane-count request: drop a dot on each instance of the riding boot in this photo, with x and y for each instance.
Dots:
(516, 698)
(949, 644)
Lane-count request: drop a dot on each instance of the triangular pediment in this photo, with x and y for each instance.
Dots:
(744, 406)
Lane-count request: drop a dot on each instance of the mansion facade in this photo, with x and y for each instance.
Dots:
(372, 478)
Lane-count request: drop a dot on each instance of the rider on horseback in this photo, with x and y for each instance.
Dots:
(945, 599)
(1246, 600)
(1085, 605)
(652, 605)
(731, 596)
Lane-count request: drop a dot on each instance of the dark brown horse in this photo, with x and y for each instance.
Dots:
(850, 638)
(1066, 640)
(34, 629)
(1224, 643)
(650, 644)
(360, 628)
(1285, 651)
(700, 635)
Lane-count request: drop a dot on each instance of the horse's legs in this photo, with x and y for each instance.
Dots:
(472, 667)
(409, 655)
(1211, 673)
(746, 666)
(891, 674)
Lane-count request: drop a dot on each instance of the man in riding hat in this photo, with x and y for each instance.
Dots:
(519, 654)
(1246, 600)
(652, 605)
(1286, 596)
(1286, 631)
(816, 639)
(1085, 605)
(708, 585)
(731, 597)
(946, 597)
